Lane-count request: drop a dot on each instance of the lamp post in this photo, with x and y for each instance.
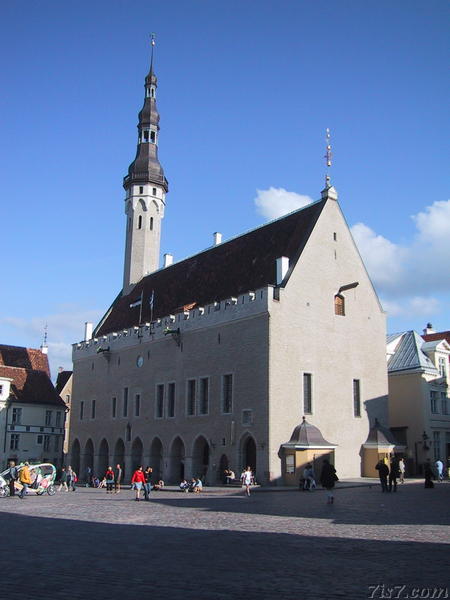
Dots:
(425, 448)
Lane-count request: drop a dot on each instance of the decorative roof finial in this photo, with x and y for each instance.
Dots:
(44, 347)
(328, 157)
(152, 43)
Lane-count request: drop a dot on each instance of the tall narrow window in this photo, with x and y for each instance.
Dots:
(58, 419)
(48, 417)
(137, 405)
(442, 366)
(444, 400)
(16, 416)
(141, 189)
(125, 402)
(56, 446)
(171, 400)
(356, 398)
(437, 445)
(227, 393)
(154, 191)
(307, 393)
(160, 401)
(46, 443)
(114, 407)
(339, 305)
(190, 404)
(204, 396)
(151, 223)
(14, 442)
(434, 401)
(140, 222)
(81, 410)
(152, 137)
(93, 409)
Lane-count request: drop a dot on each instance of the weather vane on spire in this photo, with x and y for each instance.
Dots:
(328, 157)
(152, 38)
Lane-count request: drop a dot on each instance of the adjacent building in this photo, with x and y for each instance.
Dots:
(419, 397)
(32, 413)
(213, 361)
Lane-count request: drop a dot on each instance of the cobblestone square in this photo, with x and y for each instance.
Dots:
(288, 545)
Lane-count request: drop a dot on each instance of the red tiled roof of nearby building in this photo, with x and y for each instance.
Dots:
(28, 368)
(243, 264)
(439, 335)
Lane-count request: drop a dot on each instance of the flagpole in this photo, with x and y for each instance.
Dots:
(140, 307)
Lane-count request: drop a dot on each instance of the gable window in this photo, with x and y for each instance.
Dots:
(227, 393)
(339, 305)
(434, 401)
(356, 398)
(160, 401)
(204, 396)
(125, 402)
(190, 404)
(307, 394)
(17, 416)
(137, 405)
(171, 400)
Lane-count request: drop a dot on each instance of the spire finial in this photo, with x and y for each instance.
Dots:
(328, 157)
(44, 347)
(152, 43)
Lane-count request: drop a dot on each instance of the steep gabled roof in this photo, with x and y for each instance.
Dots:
(30, 374)
(245, 263)
(62, 379)
(408, 354)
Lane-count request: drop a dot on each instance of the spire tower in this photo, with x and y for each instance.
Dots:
(146, 187)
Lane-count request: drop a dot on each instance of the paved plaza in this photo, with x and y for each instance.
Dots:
(284, 545)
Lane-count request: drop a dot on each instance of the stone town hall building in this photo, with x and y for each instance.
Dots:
(213, 361)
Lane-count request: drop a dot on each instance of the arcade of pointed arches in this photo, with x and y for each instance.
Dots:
(170, 462)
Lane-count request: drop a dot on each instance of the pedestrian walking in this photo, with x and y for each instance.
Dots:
(393, 474)
(328, 479)
(137, 482)
(25, 480)
(109, 477)
(117, 478)
(428, 474)
(383, 474)
(63, 480)
(439, 469)
(71, 479)
(401, 470)
(12, 478)
(148, 483)
(247, 480)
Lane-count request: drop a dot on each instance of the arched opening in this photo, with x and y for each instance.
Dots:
(75, 456)
(200, 458)
(119, 456)
(176, 465)
(223, 465)
(88, 462)
(103, 459)
(156, 459)
(249, 454)
(136, 454)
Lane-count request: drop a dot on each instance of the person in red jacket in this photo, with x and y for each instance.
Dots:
(138, 480)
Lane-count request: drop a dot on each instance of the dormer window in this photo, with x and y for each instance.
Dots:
(339, 305)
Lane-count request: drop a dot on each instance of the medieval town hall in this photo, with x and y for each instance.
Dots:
(266, 350)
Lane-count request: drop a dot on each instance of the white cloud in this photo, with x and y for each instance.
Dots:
(416, 306)
(276, 202)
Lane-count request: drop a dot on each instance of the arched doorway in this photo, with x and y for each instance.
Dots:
(88, 462)
(75, 460)
(223, 465)
(249, 454)
(136, 454)
(103, 459)
(156, 459)
(200, 458)
(176, 467)
(119, 456)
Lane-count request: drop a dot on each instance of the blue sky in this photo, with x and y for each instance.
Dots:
(246, 91)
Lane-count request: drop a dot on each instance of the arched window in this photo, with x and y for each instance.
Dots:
(140, 222)
(151, 223)
(339, 305)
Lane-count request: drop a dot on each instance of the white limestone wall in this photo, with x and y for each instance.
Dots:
(307, 336)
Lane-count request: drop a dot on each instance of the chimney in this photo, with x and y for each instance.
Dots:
(168, 260)
(88, 329)
(428, 329)
(217, 238)
(282, 268)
